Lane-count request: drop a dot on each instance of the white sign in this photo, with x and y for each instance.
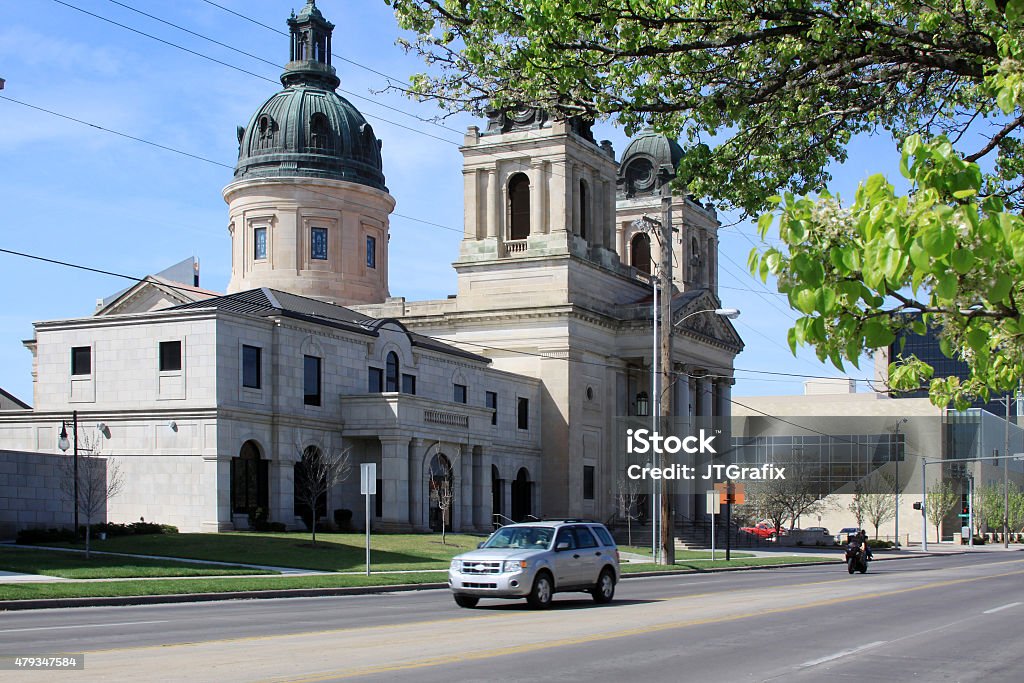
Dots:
(714, 505)
(368, 478)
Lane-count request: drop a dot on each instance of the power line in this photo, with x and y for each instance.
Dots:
(279, 66)
(209, 161)
(333, 54)
(245, 71)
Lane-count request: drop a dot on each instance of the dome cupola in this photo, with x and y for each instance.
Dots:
(308, 129)
(646, 156)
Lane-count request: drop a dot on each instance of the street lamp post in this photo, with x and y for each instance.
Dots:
(62, 443)
(899, 422)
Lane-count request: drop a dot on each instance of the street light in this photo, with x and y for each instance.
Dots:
(896, 432)
(62, 443)
(730, 313)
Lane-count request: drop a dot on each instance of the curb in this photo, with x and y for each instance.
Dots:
(61, 603)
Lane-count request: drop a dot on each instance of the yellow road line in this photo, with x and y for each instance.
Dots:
(643, 630)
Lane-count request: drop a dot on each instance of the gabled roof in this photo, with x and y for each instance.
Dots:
(18, 403)
(266, 303)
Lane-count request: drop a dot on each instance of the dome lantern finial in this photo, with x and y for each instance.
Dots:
(310, 50)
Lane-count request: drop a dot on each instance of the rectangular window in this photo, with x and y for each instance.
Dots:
(170, 356)
(524, 413)
(376, 384)
(588, 482)
(251, 370)
(371, 252)
(81, 360)
(318, 244)
(311, 380)
(492, 403)
(409, 384)
(259, 244)
(460, 393)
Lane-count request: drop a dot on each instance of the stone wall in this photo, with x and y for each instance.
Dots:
(30, 492)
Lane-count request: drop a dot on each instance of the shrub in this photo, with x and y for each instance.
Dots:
(276, 526)
(878, 543)
(42, 536)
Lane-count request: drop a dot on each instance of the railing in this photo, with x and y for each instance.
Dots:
(701, 530)
(496, 520)
(447, 419)
(515, 247)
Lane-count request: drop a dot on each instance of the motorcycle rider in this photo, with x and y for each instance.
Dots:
(862, 543)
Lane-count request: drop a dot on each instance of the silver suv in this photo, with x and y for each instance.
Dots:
(534, 560)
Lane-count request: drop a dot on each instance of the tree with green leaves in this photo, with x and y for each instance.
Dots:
(767, 97)
(879, 499)
(939, 502)
(857, 505)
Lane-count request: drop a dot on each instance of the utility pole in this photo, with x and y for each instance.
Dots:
(1006, 478)
(665, 175)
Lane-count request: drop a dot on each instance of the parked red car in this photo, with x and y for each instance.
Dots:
(762, 530)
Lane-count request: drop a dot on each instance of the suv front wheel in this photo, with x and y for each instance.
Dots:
(466, 600)
(540, 594)
(604, 589)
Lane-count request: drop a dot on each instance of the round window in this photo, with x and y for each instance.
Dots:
(590, 393)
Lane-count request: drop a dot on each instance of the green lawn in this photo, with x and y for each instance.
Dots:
(702, 565)
(333, 552)
(76, 566)
(35, 591)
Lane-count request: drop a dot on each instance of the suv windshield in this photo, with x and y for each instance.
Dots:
(520, 537)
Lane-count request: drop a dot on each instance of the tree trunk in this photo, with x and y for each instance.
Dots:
(88, 536)
(314, 524)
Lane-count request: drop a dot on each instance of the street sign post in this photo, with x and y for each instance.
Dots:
(714, 506)
(368, 487)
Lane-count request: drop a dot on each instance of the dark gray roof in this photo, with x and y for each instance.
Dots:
(265, 303)
(15, 400)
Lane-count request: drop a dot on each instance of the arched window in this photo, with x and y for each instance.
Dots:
(249, 476)
(583, 209)
(391, 375)
(267, 128)
(696, 262)
(640, 252)
(441, 492)
(519, 207)
(320, 132)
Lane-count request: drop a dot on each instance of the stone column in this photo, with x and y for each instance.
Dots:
(465, 488)
(493, 203)
(471, 213)
(536, 200)
(574, 197)
(506, 496)
(725, 397)
(394, 459)
(417, 485)
(681, 399)
(707, 405)
(482, 489)
(282, 489)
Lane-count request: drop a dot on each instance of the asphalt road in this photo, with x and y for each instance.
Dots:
(953, 618)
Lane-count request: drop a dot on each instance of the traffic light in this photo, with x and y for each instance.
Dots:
(965, 506)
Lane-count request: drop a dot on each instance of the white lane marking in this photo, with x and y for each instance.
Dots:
(998, 609)
(101, 625)
(844, 653)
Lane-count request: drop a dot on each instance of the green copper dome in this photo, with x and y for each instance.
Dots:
(644, 157)
(307, 129)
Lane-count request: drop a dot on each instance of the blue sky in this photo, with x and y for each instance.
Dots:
(73, 193)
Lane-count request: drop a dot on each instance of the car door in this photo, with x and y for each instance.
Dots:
(590, 552)
(567, 559)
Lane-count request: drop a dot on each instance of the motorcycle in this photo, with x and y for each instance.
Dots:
(856, 559)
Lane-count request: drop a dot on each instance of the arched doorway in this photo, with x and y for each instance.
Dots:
(640, 252)
(522, 495)
(440, 492)
(249, 477)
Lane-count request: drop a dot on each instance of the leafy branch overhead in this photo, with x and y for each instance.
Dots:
(767, 97)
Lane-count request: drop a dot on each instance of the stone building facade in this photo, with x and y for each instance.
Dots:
(513, 385)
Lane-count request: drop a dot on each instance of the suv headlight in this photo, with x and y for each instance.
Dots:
(514, 565)
(456, 565)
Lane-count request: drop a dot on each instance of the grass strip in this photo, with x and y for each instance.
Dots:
(36, 591)
(332, 552)
(76, 566)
